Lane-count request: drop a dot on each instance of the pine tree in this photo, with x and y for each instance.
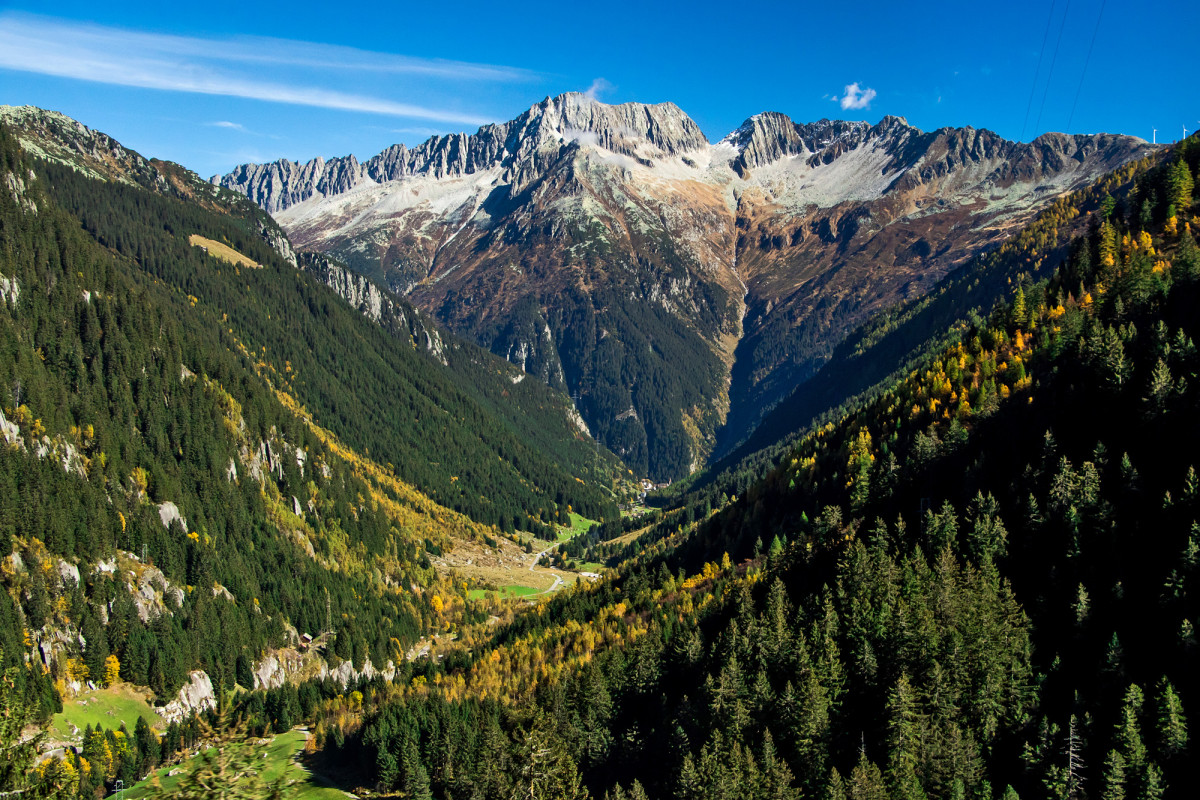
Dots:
(836, 788)
(776, 777)
(1153, 787)
(1180, 185)
(859, 469)
(1018, 313)
(149, 750)
(1082, 606)
(416, 777)
(775, 549)
(1161, 384)
(866, 781)
(1171, 723)
(689, 786)
(903, 739)
(547, 771)
(1113, 777)
(1128, 734)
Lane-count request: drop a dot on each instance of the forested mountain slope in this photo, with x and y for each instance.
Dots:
(372, 391)
(203, 460)
(977, 581)
(162, 497)
(980, 583)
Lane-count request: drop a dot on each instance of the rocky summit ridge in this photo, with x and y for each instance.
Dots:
(516, 146)
(677, 287)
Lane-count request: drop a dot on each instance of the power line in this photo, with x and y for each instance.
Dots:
(1038, 71)
(1086, 61)
(1050, 75)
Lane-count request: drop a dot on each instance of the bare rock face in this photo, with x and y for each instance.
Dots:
(196, 696)
(289, 664)
(168, 512)
(153, 594)
(607, 249)
(518, 145)
(270, 673)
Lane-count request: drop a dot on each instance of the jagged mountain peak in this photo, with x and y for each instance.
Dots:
(620, 128)
(771, 135)
(517, 147)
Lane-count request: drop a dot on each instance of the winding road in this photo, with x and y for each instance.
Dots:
(557, 580)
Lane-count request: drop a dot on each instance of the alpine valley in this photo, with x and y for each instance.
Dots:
(334, 479)
(676, 289)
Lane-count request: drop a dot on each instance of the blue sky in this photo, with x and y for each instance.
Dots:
(215, 84)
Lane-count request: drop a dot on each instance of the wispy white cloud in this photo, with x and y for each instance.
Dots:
(856, 97)
(227, 67)
(598, 87)
(583, 137)
(419, 130)
(240, 128)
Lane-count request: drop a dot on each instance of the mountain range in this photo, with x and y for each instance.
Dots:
(678, 289)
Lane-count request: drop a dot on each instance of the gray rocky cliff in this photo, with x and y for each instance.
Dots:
(519, 146)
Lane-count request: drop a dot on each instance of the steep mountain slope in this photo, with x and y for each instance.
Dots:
(677, 288)
(165, 501)
(888, 344)
(495, 467)
(980, 583)
(204, 459)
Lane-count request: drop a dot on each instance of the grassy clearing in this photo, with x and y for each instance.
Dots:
(106, 708)
(579, 524)
(504, 591)
(276, 759)
(223, 251)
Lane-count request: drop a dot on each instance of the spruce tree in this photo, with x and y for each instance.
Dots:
(1170, 722)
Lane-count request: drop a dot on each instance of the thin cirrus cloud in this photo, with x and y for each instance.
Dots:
(856, 97)
(236, 67)
(227, 125)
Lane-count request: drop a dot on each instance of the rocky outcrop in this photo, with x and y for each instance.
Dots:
(380, 306)
(168, 512)
(11, 432)
(291, 665)
(768, 137)
(10, 290)
(195, 697)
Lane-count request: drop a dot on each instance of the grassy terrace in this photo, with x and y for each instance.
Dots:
(504, 591)
(106, 708)
(277, 759)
